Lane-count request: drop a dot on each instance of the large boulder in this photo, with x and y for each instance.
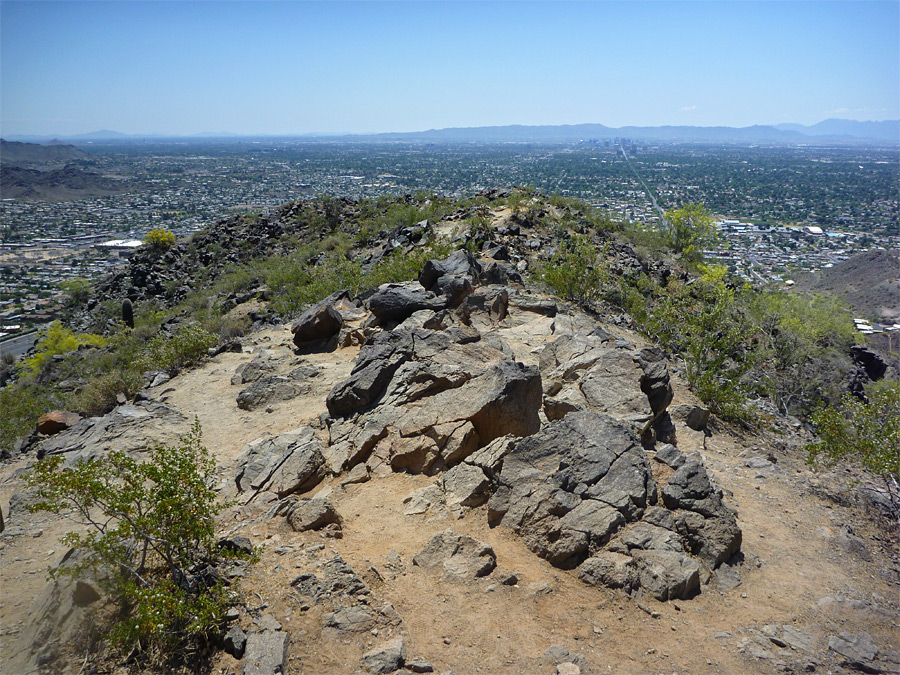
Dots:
(319, 323)
(586, 372)
(289, 463)
(459, 557)
(568, 488)
(460, 264)
(425, 400)
(396, 302)
(375, 366)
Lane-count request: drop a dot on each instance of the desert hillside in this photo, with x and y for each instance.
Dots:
(465, 473)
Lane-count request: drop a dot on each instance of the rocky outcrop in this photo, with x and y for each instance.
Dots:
(133, 428)
(425, 399)
(588, 372)
(581, 493)
(286, 464)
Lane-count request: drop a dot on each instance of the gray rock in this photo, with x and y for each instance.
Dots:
(419, 666)
(609, 569)
(312, 514)
(385, 658)
(132, 428)
(286, 464)
(396, 302)
(460, 264)
(714, 539)
(692, 416)
(466, 485)
(319, 323)
(667, 575)
(647, 537)
(459, 557)
(354, 619)
(271, 389)
(266, 653)
(552, 491)
(670, 456)
(857, 648)
(235, 642)
(254, 370)
(423, 499)
(375, 366)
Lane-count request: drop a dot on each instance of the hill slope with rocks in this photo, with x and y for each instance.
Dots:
(463, 473)
(869, 282)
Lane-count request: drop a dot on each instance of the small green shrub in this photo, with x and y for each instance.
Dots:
(58, 340)
(159, 239)
(187, 346)
(688, 230)
(21, 404)
(77, 290)
(576, 271)
(868, 433)
(149, 526)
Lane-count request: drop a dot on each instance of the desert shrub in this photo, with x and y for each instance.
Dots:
(688, 230)
(702, 322)
(187, 346)
(576, 271)
(159, 239)
(21, 404)
(402, 266)
(77, 290)
(99, 395)
(58, 340)
(802, 340)
(149, 528)
(865, 432)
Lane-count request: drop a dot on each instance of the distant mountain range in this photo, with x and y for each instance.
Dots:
(33, 172)
(24, 154)
(827, 131)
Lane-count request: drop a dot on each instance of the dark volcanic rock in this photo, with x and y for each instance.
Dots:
(559, 489)
(396, 302)
(319, 323)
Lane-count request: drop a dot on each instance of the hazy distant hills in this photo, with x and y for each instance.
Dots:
(33, 172)
(56, 185)
(23, 154)
(885, 131)
(828, 131)
(869, 282)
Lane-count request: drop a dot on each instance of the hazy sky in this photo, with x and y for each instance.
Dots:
(298, 67)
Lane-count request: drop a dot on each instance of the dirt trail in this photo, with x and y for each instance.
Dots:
(807, 562)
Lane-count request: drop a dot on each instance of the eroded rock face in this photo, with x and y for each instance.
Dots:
(568, 488)
(285, 464)
(581, 493)
(427, 399)
(588, 372)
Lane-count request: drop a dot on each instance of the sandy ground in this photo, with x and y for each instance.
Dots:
(798, 568)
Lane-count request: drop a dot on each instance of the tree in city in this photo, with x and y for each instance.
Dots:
(688, 230)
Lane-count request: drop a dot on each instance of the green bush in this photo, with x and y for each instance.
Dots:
(159, 239)
(868, 433)
(21, 404)
(576, 271)
(58, 340)
(170, 353)
(149, 526)
(689, 230)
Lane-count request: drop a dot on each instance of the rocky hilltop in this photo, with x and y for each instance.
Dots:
(463, 474)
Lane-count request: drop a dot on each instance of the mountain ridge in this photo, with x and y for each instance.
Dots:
(829, 130)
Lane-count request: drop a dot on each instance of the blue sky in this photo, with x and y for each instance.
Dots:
(299, 67)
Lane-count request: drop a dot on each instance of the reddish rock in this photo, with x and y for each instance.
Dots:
(55, 421)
